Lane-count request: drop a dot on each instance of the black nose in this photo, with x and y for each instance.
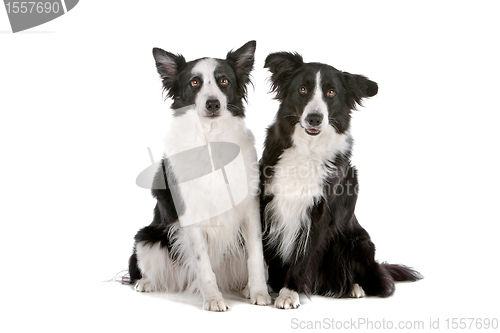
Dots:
(213, 105)
(314, 119)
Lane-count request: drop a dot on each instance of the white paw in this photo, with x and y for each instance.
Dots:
(143, 286)
(260, 298)
(357, 291)
(287, 299)
(216, 304)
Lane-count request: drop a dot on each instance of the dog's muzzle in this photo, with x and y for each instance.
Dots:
(313, 121)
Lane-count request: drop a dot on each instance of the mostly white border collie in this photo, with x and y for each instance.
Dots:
(224, 251)
(313, 242)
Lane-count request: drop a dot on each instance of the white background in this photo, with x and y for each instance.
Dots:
(81, 101)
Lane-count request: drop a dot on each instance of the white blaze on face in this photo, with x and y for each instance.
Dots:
(209, 90)
(316, 105)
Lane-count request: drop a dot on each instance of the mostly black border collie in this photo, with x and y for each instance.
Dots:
(313, 242)
(196, 241)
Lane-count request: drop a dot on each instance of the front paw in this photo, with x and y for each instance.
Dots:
(143, 286)
(287, 299)
(216, 304)
(260, 298)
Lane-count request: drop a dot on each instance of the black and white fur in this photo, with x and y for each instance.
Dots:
(223, 253)
(313, 242)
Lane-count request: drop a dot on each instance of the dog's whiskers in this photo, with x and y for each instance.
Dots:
(332, 122)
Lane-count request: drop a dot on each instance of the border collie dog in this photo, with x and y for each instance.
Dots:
(195, 242)
(313, 242)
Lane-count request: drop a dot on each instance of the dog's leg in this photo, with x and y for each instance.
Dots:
(257, 287)
(296, 278)
(207, 283)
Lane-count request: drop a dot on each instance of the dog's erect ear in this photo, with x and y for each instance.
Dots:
(242, 59)
(242, 62)
(282, 65)
(358, 87)
(168, 66)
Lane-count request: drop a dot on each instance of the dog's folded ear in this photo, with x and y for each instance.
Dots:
(282, 65)
(242, 61)
(168, 66)
(358, 87)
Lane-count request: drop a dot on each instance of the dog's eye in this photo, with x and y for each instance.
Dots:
(330, 93)
(195, 83)
(303, 90)
(224, 82)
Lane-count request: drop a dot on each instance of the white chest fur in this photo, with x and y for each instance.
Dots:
(298, 182)
(211, 201)
(190, 130)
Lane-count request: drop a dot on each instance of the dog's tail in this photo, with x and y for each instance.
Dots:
(402, 273)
